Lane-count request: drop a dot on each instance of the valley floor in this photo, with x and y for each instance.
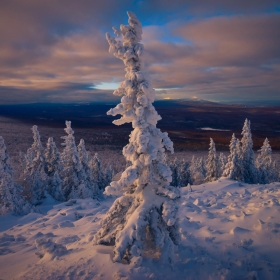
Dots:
(229, 230)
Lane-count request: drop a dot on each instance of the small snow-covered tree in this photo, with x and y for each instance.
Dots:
(265, 164)
(184, 174)
(34, 173)
(55, 187)
(88, 187)
(11, 200)
(146, 213)
(233, 168)
(97, 173)
(53, 168)
(174, 166)
(109, 174)
(222, 163)
(72, 166)
(197, 170)
(250, 173)
(212, 164)
(52, 158)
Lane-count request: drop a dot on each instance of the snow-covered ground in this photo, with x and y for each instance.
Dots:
(229, 230)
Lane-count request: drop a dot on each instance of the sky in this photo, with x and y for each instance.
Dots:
(217, 50)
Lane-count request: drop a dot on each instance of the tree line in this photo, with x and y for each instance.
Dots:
(73, 173)
(240, 165)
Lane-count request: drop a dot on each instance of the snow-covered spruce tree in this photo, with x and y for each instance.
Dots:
(265, 165)
(11, 200)
(250, 173)
(72, 166)
(222, 163)
(109, 174)
(198, 170)
(53, 168)
(34, 174)
(233, 168)
(88, 188)
(184, 174)
(52, 158)
(146, 213)
(174, 166)
(75, 181)
(212, 164)
(97, 173)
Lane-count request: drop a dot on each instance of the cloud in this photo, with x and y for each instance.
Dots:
(56, 50)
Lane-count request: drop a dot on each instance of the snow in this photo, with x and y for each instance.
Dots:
(215, 129)
(228, 230)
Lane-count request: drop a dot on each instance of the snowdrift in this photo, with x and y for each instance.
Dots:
(229, 230)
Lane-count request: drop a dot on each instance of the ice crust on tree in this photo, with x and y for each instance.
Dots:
(148, 204)
(11, 200)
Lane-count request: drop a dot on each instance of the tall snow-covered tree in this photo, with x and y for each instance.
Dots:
(233, 168)
(265, 164)
(11, 199)
(212, 164)
(250, 173)
(34, 173)
(146, 212)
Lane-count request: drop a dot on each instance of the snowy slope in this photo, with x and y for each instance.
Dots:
(228, 231)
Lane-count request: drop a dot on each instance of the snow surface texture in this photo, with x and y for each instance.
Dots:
(145, 216)
(228, 231)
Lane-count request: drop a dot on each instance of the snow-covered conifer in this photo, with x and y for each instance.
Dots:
(97, 173)
(55, 187)
(222, 163)
(88, 187)
(250, 173)
(11, 200)
(174, 166)
(265, 164)
(184, 176)
(72, 166)
(147, 210)
(212, 165)
(53, 168)
(233, 168)
(109, 174)
(52, 158)
(197, 171)
(34, 172)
